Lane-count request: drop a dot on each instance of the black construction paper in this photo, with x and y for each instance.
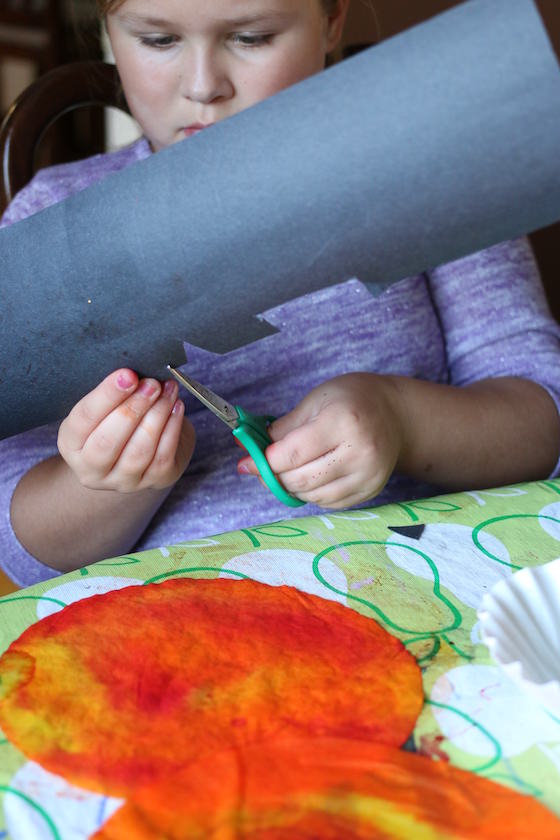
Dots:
(432, 145)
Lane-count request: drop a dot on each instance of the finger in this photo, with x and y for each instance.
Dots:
(246, 466)
(254, 472)
(339, 494)
(175, 448)
(105, 444)
(187, 439)
(305, 412)
(168, 454)
(316, 474)
(301, 446)
(141, 447)
(310, 476)
(88, 413)
(281, 427)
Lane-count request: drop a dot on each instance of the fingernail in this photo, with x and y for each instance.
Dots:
(242, 468)
(125, 381)
(148, 387)
(169, 388)
(178, 407)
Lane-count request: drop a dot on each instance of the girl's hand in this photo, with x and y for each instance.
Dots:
(339, 446)
(127, 435)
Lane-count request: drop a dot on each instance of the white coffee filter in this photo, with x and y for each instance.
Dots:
(520, 624)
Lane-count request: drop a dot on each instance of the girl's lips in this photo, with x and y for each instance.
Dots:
(195, 128)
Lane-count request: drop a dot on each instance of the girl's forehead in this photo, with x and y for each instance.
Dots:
(233, 9)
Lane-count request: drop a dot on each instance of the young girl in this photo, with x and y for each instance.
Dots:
(458, 378)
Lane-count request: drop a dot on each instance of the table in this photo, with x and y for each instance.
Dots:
(420, 569)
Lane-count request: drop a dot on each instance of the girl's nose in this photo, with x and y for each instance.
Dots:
(205, 77)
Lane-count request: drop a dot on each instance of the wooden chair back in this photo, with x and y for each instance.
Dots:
(61, 90)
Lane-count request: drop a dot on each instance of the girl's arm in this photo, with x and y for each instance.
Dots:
(123, 447)
(66, 526)
(340, 445)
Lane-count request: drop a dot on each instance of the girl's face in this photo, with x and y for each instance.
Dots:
(185, 64)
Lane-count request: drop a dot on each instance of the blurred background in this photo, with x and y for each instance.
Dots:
(36, 35)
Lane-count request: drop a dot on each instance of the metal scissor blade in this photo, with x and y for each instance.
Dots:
(218, 406)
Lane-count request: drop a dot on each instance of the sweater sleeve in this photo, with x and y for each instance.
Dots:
(17, 455)
(496, 320)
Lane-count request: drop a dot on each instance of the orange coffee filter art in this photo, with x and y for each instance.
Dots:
(320, 788)
(231, 709)
(122, 690)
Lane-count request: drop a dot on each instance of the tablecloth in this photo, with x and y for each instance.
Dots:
(420, 569)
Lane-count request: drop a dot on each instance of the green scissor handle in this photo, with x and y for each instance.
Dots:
(252, 434)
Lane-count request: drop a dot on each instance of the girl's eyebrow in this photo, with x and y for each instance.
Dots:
(271, 16)
(141, 20)
(257, 17)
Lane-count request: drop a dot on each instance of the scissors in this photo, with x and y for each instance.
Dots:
(251, 430)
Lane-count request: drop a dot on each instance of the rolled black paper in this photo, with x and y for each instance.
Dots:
(430, 146)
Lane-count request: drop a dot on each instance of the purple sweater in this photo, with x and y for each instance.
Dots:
(482, 316)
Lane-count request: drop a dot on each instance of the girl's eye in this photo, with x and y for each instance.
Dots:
(158, 42)
(246, 39)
